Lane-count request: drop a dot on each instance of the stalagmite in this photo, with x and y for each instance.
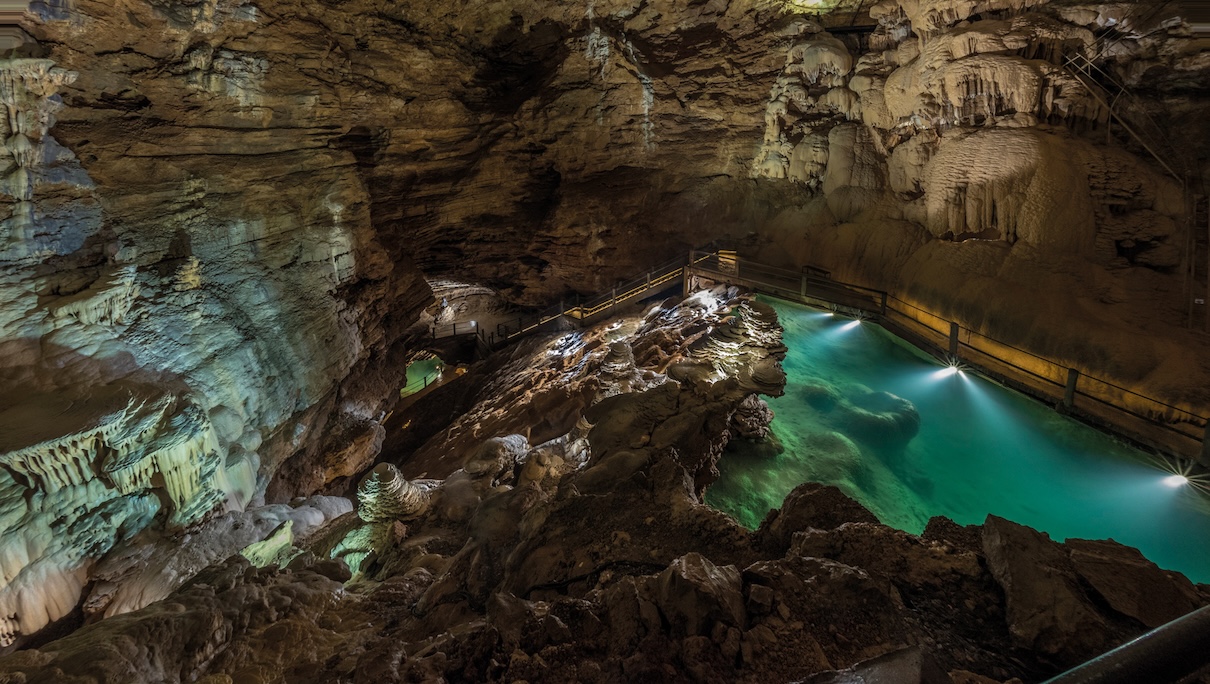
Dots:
(791, 146)
(384, 494)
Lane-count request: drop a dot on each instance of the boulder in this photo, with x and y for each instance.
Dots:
(810, 505)
(1131, 584)
(694, 594)
(1047, 609)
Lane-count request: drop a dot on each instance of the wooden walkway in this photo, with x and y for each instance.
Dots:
(1146, 421)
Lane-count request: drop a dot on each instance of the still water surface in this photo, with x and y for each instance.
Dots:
(962, 448)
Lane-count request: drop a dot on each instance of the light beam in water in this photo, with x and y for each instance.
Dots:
(952, 367)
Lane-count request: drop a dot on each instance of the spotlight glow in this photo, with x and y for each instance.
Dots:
(1176, 480)
(952, 367)
(850, 325)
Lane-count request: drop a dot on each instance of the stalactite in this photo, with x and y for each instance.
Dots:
(105, 302)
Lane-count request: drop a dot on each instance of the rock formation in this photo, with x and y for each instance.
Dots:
(384, 494)
(220, 219)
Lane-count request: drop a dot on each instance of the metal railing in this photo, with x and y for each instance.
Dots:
(1168, 654)
(455, 329)
(421, 383)
(659, 278)
(1115, 98)
(485, 342)
(1144, 420)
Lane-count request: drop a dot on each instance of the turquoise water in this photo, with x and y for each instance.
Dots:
(421, 374)
(959, 446)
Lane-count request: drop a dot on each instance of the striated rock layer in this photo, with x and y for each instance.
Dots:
(218, 220)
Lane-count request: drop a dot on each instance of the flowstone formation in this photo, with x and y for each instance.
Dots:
(160, 353)
(233, 211)
(590, 557)
(71, 498)
(969, 159)
(959, 118)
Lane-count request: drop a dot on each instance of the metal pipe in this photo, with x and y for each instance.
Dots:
(1168, 653)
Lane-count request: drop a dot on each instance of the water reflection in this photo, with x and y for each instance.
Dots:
(975, 448)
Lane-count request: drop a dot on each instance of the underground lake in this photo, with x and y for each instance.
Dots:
(911, 439)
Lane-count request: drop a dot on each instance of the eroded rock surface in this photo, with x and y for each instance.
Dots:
(590, 557)
(218, 220)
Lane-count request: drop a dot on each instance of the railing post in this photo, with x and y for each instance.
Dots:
(1069, 393)
(613, 297)
(954, 339)
(882, 305)
(802, 288)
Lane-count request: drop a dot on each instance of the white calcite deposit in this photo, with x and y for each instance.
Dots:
(384, 494)
(70, 498)
(216, 230)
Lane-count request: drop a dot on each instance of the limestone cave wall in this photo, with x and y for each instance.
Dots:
(219, 215)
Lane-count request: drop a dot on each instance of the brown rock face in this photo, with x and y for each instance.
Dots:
(810, 506)
(1131, 584)
(218, 219)
(1048, 610)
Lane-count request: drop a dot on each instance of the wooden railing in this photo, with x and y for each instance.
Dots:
(660, 278)
(1144, 420)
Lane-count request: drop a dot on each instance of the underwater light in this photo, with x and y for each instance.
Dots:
(1176, 480)
(851, 324)
(952, 367)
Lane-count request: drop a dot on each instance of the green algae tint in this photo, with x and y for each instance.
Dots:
(979, 449)
(421, 374)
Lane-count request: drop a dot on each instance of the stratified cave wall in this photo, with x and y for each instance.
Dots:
(217, 213)
(191, 294)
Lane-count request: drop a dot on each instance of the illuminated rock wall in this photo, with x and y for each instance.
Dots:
(172, 325)
(216, 215)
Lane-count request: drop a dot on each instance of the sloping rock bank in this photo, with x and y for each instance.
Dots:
(635, 582)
